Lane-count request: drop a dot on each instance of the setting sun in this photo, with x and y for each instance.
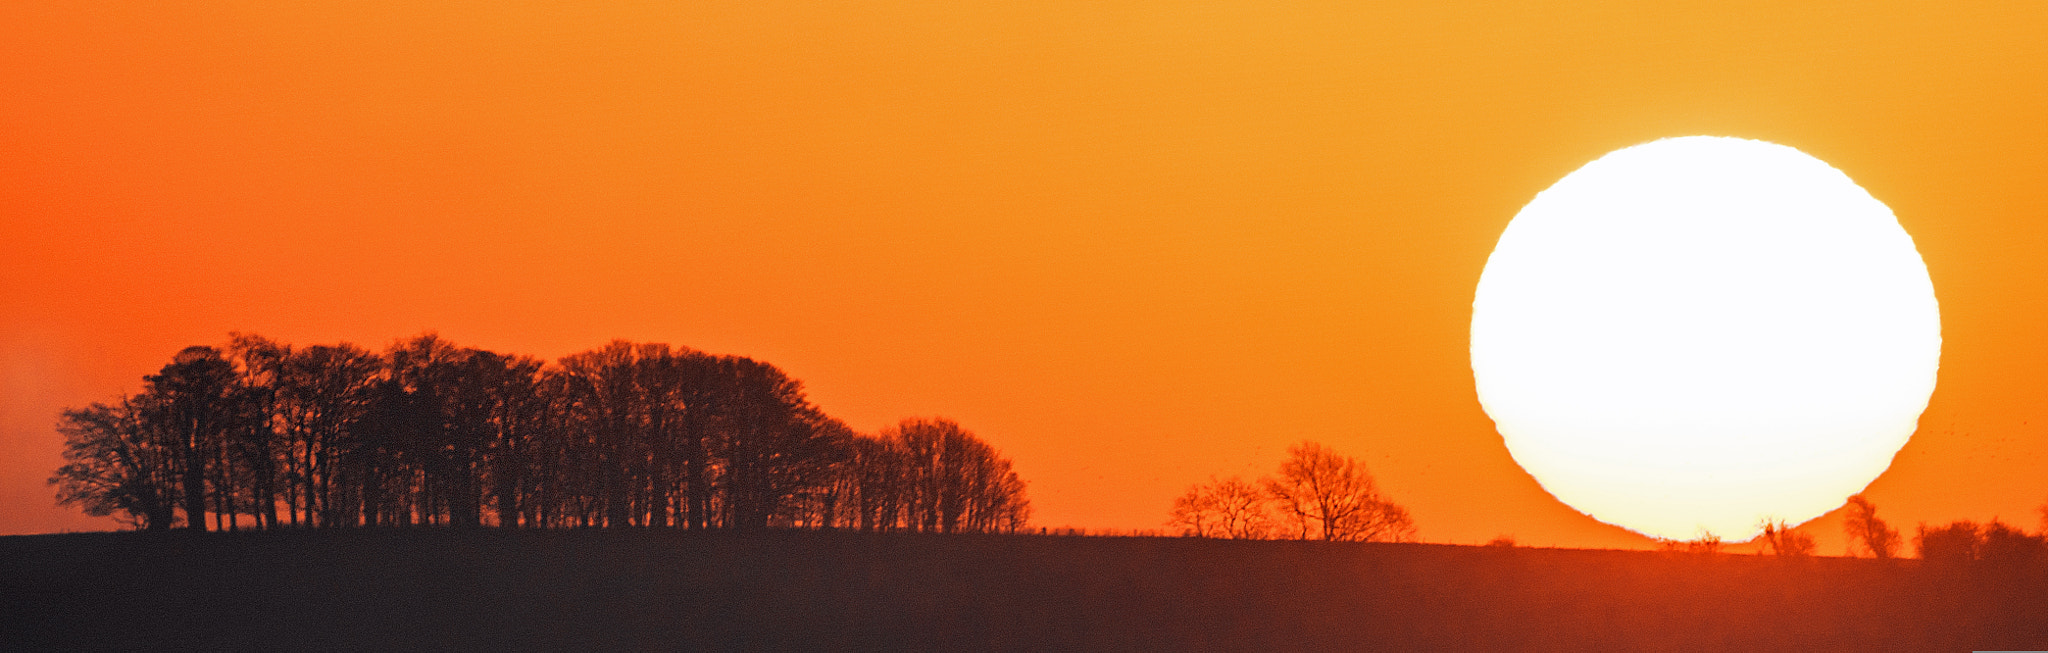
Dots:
(1694, 335)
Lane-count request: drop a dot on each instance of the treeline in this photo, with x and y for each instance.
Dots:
(262, 434)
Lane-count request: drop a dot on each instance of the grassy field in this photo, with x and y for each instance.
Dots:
(665, 590)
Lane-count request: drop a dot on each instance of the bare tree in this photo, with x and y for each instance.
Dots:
(513, 420)
(196, 397)
(703, 399)
(609, 407)
(1862, 525)
(1244, 511)
(1227, 508)
(1194, 513)
(875, 478)
(485, 400)
(320, 397)
(257, 444)
(761, 410)
(951, 480)
(778, 445)
(1332, 497)
(118, 465)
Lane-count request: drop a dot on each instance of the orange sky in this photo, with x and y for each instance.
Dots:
(1133, 244)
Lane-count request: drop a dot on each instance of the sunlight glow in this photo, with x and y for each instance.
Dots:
(1695, 334)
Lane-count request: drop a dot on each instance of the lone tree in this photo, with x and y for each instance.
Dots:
(1330, 496)
(1863, 526)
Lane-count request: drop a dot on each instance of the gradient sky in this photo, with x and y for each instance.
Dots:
(1133, 244)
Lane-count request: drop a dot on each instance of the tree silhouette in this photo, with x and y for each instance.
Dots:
(1332, 497)
(953, 481)
(428, 433)
(1195, 513)
(1228, 508)
(1243, 509)
(1319, 494)
(778, 445)
(321, 399)
(259, 362)
(610, 404)
(1862, 525)
(196, 402)
(118, 464)
(874, 483)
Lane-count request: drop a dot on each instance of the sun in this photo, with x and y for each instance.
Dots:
(1694, 335)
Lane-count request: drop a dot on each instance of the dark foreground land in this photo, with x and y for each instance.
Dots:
(432, 589)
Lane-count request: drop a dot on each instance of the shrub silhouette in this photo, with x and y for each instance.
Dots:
(1966, 543)
(1954, 545)
(1780, 540)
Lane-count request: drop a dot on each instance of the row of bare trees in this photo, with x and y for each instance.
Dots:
(1318, 494)
(261, 434)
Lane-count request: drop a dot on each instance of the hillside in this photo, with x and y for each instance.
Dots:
(433, 589)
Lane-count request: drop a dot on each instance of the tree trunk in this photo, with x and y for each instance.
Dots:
(194, 479)
(694, 474)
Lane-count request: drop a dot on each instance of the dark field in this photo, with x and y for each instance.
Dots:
(432, 589)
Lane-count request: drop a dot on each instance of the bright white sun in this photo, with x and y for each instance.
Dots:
(1696, 334)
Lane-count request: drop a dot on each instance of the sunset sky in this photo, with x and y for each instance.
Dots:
(1132, 244)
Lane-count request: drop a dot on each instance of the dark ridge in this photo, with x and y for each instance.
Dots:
(485, 589)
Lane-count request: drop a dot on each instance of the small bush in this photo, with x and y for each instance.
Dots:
(1780, 540)
(1705, 544)
(1966, 543)
(2005, 546)
(1953, 545)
